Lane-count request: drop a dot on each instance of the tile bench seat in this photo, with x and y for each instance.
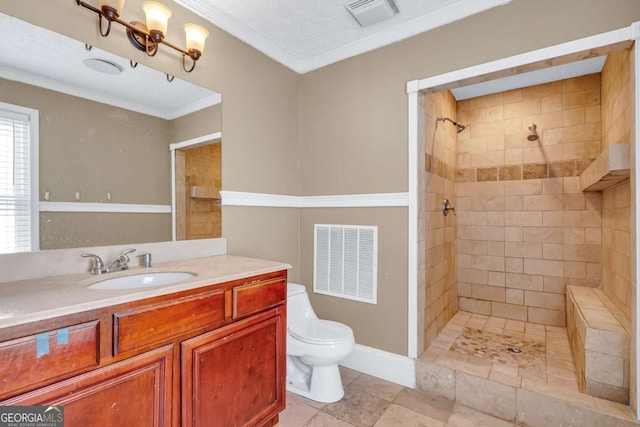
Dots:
(600, 343)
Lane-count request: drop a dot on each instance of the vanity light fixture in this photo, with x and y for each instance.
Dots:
(148, 36)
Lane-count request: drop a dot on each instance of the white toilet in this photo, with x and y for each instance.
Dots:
(314, 348)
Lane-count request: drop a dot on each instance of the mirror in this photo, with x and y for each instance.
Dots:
(105, 129)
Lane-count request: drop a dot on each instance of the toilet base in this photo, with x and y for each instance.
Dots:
(325, 385)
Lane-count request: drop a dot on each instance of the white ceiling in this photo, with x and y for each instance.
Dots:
(308, 34)
(34, 55)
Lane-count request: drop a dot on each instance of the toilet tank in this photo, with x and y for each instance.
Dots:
(298, 305)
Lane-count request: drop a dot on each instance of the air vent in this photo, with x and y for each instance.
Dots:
(346, 261)
(369, 12)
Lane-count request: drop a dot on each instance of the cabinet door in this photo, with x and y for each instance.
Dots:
(235, 376)
(134, 392)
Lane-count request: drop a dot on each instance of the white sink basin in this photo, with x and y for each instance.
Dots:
(142, 280)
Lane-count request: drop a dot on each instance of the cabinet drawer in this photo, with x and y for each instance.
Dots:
(158, 323)
(41, 359)
(256, 296)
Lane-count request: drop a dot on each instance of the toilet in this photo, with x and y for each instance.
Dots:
(314, 348)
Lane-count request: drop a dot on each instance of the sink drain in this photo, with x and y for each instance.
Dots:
(514, 349)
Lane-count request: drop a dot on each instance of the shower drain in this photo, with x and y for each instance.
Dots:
(514, 349)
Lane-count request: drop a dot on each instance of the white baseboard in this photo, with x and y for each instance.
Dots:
(382, 364)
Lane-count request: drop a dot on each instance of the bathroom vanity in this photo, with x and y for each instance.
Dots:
(208, 351)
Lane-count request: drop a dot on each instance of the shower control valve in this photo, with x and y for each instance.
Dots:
(447, 206)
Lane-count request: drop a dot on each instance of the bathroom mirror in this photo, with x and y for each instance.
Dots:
(104, 133)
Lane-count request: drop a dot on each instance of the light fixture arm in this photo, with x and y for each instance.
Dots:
(102, 32)
(152, 39)
(184, 63)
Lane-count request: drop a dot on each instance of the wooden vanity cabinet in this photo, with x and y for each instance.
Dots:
(235, 376)
(213, 356)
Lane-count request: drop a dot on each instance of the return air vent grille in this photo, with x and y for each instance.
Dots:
(346, 261)
(369, 12)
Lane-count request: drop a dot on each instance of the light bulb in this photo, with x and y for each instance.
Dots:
(157, 16)
(196, 35)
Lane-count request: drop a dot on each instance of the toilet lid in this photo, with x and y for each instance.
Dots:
(317, 331)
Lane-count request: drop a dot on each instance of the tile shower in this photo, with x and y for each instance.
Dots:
(495, 275)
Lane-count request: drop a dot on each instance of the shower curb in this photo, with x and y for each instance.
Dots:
(521, 406)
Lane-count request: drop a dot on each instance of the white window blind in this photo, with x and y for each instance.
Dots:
(18, 179)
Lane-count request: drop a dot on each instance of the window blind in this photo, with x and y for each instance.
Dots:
(15, 182)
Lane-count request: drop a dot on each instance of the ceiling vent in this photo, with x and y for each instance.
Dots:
(369, 12)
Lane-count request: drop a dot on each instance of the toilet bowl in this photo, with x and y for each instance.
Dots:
(314, 348)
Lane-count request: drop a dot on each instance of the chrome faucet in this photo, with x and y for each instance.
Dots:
(122, 260)
(120, 263)
(98, 265)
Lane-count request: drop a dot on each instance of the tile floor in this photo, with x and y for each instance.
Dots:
(370, 401)
(479, 345)
(540, 380)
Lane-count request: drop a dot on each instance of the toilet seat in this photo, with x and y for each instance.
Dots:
(318, 331)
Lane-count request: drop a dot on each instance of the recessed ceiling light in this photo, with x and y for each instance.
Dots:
(103, 65)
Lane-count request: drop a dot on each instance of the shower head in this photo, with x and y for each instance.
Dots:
(459, 127)
(533, 136)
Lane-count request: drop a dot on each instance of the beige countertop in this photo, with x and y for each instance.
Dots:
(31, 300)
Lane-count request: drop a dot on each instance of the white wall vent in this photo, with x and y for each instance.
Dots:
(369, 12)
(345, 262)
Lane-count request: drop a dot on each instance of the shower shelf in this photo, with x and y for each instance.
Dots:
(608, 169)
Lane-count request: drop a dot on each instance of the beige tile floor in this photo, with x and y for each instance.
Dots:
(472, 344)
(548, 370)
(370, 401)
(478, 345)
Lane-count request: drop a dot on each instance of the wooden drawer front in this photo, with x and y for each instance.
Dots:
(253, 297)
(36, 360)
(158, 323)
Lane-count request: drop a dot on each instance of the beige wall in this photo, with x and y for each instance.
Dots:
(63, 230)
(93, 148)
(202, 122)
(383, 325)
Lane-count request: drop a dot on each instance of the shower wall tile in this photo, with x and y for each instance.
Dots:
(439, 279)
(616, 247)
(526, 228)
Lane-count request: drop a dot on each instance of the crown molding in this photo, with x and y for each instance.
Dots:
(440, 17)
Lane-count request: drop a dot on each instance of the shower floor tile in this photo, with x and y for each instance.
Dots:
(504, 349)
(479, 345)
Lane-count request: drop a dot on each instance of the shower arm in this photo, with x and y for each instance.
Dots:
(459, 127)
